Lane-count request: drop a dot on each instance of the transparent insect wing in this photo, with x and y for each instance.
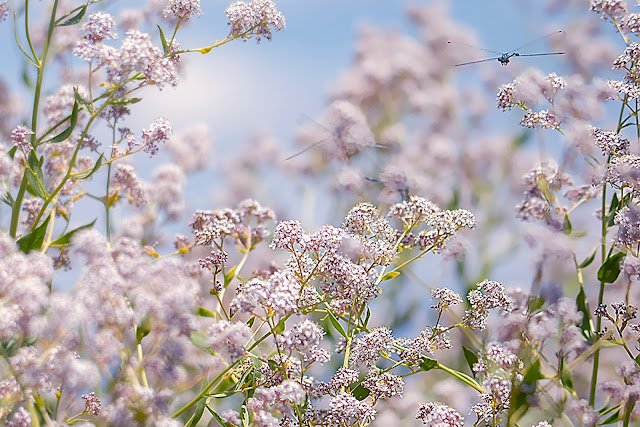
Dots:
(550, 44)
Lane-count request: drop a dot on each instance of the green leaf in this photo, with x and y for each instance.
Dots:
(197, 415)
(637, 359)
(390, 275)
(204, 312)
(366, 318)
(35, 176)
(217, 417)
(65, 239)
(566, 377)
(75, 18)
(427, 364)
(231, 274)
(588, 260)
(7, 198)
(336, 324)
(280, 327)
(81, 101)
(87, 174)
(200, 340)
(251, 321)
(33, 240)
(614, 203)
(126, 101)
(610, 269)
(566, 225)
(583, 307)
(73, 120)
(360, 392)
(471, 358)
(612, 419)
(163, 39)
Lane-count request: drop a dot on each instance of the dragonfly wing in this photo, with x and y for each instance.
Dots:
(478, 61)
(543, 54)
(470, 46)
(315, 144)
(540, 44)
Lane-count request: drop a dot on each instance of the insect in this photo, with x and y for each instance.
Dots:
(532, 48)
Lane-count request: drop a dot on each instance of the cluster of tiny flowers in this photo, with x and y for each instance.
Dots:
(495, 400)
(228, 339)
(610, 142)
(624, 170)
(628, 221)
(279, 293)
(287, 234)
(411, 350)
(369, 347)
(345, 409)
(540, 181)
(608, 8)
(278, 399)
(255, 18)
(384, 385)
(488, 296)
(498, 360)
(99, 27)
(446, 298)
(302, 336)
(413, 211)
(19, 138)
(631, 23)
(20, 418)
(208, 226)
(4, 11)
(438, 414)
(555, 83)
(137, 54)
(92, 403)
(182, 9)
(159, 132)
(625, 89)
(444, 225)
(372, 236)
(125, 179)
(627, 61)
(214, 262)
(506, 98)
(545, 119)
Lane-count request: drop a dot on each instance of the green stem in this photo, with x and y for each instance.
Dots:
(17, 204)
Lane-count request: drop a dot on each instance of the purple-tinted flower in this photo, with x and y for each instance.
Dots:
(439, 414)
(228, 339)
(4, 11)
(182, 9)
(302, 336)
(99, 27)
(489, 295)
(159, 132)
(19, 138)
(257, 18)
(370, 346)
(384, 385)
(545, 119)
(609, 9)
(92, 403)
(628, 221)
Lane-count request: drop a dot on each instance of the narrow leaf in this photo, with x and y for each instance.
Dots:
(336, 324)
(566, 225)
(35, 177)
(33, 240)
(65, 239)
(204, 312)
(610, 269)
(163, 39)
(471, 358)
(231, 274)
(85, 104)
(588, 260)
(427, 364)
(390, 275)
(87, 174)
(566, 377)
(583, 307)
(200, 340)
(126, 101)
(75, 18)
(73, 120)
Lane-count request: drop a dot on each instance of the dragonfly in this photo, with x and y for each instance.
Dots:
(529, 49)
